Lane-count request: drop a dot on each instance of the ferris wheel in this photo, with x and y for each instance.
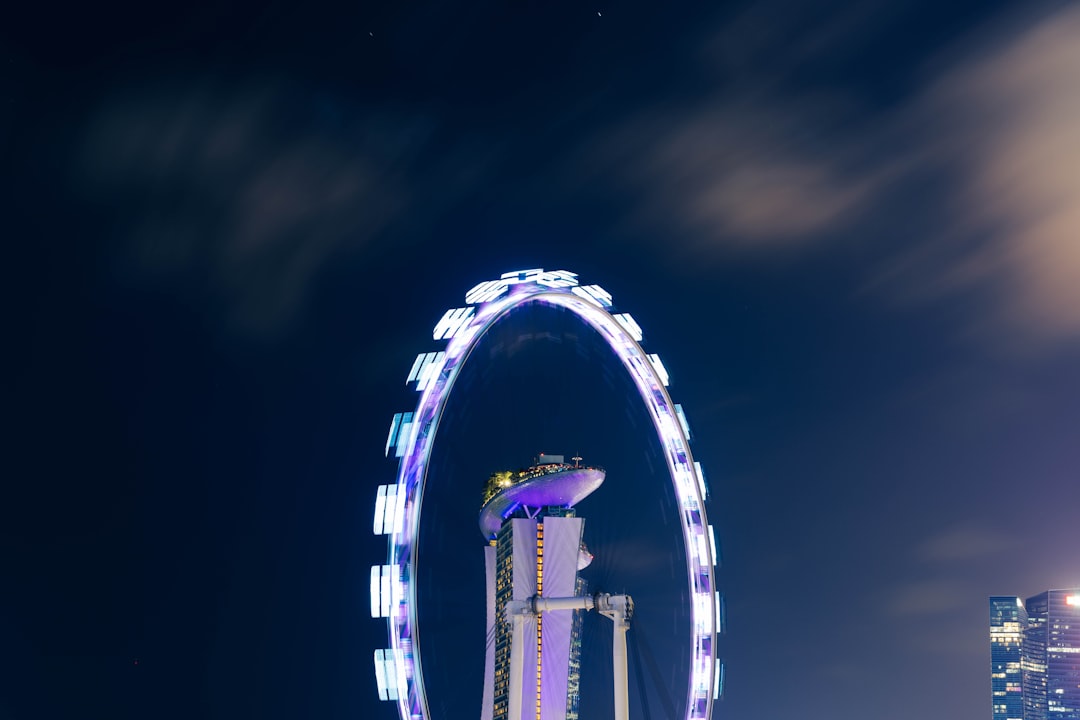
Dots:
(398, 506)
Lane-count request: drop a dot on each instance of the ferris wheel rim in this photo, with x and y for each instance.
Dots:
(684, 475)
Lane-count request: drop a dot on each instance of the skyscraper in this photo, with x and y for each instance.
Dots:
(535, 549)
(1008, 620)
(1052, 656)
(1049, 656)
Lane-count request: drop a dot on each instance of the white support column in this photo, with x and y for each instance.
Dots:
(516, 610)
(618, 608)
(618, 657)
(517, 666)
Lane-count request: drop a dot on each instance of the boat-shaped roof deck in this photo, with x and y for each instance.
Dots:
(553, 485)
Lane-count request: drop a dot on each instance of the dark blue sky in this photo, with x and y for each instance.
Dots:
(850, 229)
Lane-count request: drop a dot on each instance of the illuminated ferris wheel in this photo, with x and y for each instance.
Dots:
(398, 507)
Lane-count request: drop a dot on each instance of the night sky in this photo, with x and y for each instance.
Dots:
(851, 230)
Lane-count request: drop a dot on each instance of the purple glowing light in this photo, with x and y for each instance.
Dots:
(565, 489)
(436, 379)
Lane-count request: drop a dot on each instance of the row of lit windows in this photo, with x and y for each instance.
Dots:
(573, 677)
(539, 617)
(504, 586)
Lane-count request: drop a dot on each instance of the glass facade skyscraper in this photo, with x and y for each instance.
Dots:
(1008, 620)
(1052, 656)
(1048, 651)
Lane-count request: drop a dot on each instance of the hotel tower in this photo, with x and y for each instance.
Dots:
(535, 551)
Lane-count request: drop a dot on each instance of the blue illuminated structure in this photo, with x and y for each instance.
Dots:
(1008, 620)
(552, 484)
(1035, 656)
(398, 507)
(1051, 656)
(535, 551)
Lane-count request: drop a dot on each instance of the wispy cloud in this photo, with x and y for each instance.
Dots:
(929, 597)
(758, 162)
(746, 175)
(757, 166)
(964, 543)
(245, 193)
(949, 560)
(1009, 121)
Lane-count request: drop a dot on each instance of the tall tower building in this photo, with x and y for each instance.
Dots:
(535, 549)
(1048, 654)
(1008, 620)
(1052, 656)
